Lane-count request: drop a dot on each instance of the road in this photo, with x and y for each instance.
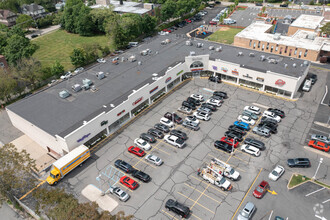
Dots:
(44, 31)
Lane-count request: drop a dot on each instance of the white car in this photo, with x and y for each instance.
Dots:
(272, 115)
(202, 116)
(66, 75)
(250, 150)
(78, 70)
(142, 144)
(198, 97)
(174, 140)
(101, 60)
(153, 159)
(185, 110)
(214, 102)
(253, 109)
(276, 173)
(246, 119)
(167, 122)
(123, 196)
(192, 119)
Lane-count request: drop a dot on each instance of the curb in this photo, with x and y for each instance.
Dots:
(298, 184)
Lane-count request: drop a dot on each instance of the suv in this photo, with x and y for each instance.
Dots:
(162, 127)
(179, 134)
(299, 162)
(272, 128)
(126, 167)
(223, 146)
(209, 106)
(234, 135)
(221, 94)
(247, 211)
(185, 110)
(147, 137)
(258, 144)
(262, 131)
(174, 140)
(198, 97)
(268, 120)
(190, 124)
(272, 115)
(192, 100)
(313, 78)
(177, 207)
(189, 105)
(156, 133)
(250, 114)
(204, 110)
(202, 115)
(212, 78)
(237, 129)
(173, 117)
(277, 112)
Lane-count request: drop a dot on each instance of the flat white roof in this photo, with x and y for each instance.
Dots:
(70, 156)
(126, 7)
(301, 39)
(308, 21)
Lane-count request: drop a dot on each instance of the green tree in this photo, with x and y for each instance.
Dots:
(149, 24)
(132, 25)
(15, 172)
(99, 16)
(57, 68)
(167, 10)
(84, 26)
(7, 85)
(326, 28)
(78, 57)
(24, 21)
(91, 52)
(29, 70)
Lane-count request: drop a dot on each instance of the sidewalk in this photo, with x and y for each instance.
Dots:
(43, 31)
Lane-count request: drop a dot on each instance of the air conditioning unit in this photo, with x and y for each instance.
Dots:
(262, 58)
(251, 55)
(240, 54)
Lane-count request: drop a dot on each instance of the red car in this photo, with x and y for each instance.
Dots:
(137, 151)
(213, 23)
(167, 30)
(261, 190)
(319, 145)
(130, 183)
(229, 141)
(188, 20)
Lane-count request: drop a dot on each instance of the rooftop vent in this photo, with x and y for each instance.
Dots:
(112, 105)
(272, 60)
(192, 53)
(277, 36)
(199, 45)
(100, 75)
(251, 55)
(262, 58)
(240, 54)
(218, 49)
(188, 43)
(76, 87)
(294, 65)
(64, 94)
(285, 66)
(305, 63)
(211, 47)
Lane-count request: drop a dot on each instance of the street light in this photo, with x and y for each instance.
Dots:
(321, 159)
(232, 149)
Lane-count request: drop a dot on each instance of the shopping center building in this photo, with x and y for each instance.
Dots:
(63, 116)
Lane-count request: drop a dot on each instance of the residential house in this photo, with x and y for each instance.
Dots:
(7, 18)
(33, 10)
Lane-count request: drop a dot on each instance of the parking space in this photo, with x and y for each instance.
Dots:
(245, 17)
(281, 13)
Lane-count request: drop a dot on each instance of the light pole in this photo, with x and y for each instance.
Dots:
(232, 150)
(321, 159)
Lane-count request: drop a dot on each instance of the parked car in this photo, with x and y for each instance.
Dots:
(154, 159)
(190, 124)
(147, 137)
(219, 98)
(276, 173)
(34, 35)
(209, 106)
(250, 114)
(247, 212)
(173, 117)
(253, 109)
(234, 135)
(213, 23)
(124, 166)
(192, 119)
(230, 141)
(197, 97)
(189, 105)
(237, 129)
(319, 145)
(205, 110)
(299, 162)
(123, 196)
(179, 134)
(261, 190)
(101, 60)
(141, 176)
(185, 110)
(214, 102)
(258, 144)
(156, 133)
(162, 127)
(202, 116)
(78, 70)
(277, 112)
(243, 125)
(223, 146)
(268, 120)
(67, 75)
(142, 144)
(271, 127)
(246, 119)
(258, 4)
(136, 150)
(167, 122)
(221, 94)
(313, 78)
(174, 140)
(194, 101)
(250, 150)
(272, 115)
(262, 131)
(128, 182)
(177, 208)
(213, 78)
(320, 138)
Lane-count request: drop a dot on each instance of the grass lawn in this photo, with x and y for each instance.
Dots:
(297, 179)
(224, 35)
(59, 44)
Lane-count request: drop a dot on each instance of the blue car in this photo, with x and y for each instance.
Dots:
(243, 125)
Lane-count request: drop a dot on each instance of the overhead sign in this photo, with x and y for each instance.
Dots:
(224, 69)
(215, 67)
(168, 79)
(179, 72)
(247, 76)
(235, 72)
(280, 82)
(137, 101)
(260, 79)
(83, 137)
(154, 89)
(104, 122)
(195, 70)
(121, 112)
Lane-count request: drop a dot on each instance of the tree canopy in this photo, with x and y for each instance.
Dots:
(326, 28)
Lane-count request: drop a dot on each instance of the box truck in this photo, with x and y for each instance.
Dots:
(67, 163)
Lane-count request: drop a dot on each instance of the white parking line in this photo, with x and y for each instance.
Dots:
(325, 94)
(260, 105)
(323, 132)
(326, 201)
(270, 215)
(315, 191)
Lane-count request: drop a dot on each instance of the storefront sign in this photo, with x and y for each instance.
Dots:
(83, 137)
(154, 89)
(235, 72)
(197, 59)
(280, 82)
(260, 79)
(121, 112)
(195, 70)
(224, 69)
(215, 67)
(179, 72)
(168, 79)
(104, 122)
(137, 101)
(247, 76)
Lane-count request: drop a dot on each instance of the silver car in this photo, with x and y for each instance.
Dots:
(321, 138)
(247, 212)
(123, 196)
(261, 131)
(205, 110)
(250, 114)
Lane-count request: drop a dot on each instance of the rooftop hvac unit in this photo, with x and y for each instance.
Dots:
(251, 55)
(277, 36)
(199, 45)
(192, 53)
(305, 63)
(310, 36)
(100, 75)
(262, 58)
(188, 43)
(294, 65)
(76, 88)
(240, 54)
(64, 94)
(211, 47)
(87, 82)
(272, 60)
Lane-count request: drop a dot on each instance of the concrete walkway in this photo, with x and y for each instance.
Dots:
(43, 31)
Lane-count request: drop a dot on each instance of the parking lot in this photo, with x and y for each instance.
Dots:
(281, 13)
(245, 17)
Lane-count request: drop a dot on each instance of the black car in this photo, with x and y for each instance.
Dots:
(192, 100)
(268, 120)
(34, 35)
(271, 127)
(162, 127)
(299, 162)
(141, 176)
(258, 4)
(179, 134)
(313, 78)
(223, 146)
(219, 98)
(148, 138)
(215, 79)
(237, 129)
(277, 112)
(209, 106)
(221, 94)
(284, 5)
(177, 207)
(189, 105)
(173, 117)
(233, 134)
(258, 144)
(126, 167)
(156, 133)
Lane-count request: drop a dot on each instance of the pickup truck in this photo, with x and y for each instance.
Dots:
(214, 178)
(224, 169)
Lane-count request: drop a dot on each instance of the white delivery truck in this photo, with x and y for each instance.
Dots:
(224, 169)
(212, 177)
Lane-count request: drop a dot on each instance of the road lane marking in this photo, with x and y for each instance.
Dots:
(270, 216)
(26, 194)
(326, 201)
(210, 155)
(172, 216)
(202, 180)
(201, 192)
(317, 151)
(232, 156)
(315, 192)
(261, 106)
(323, 132)
(196, 202)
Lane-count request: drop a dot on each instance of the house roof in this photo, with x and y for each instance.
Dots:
(32, 7)
(4, 14)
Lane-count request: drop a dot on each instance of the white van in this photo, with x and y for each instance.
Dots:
(307, 85)
(229, 21)
(133, 44)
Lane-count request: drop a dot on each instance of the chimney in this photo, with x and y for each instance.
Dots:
(121, 2)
